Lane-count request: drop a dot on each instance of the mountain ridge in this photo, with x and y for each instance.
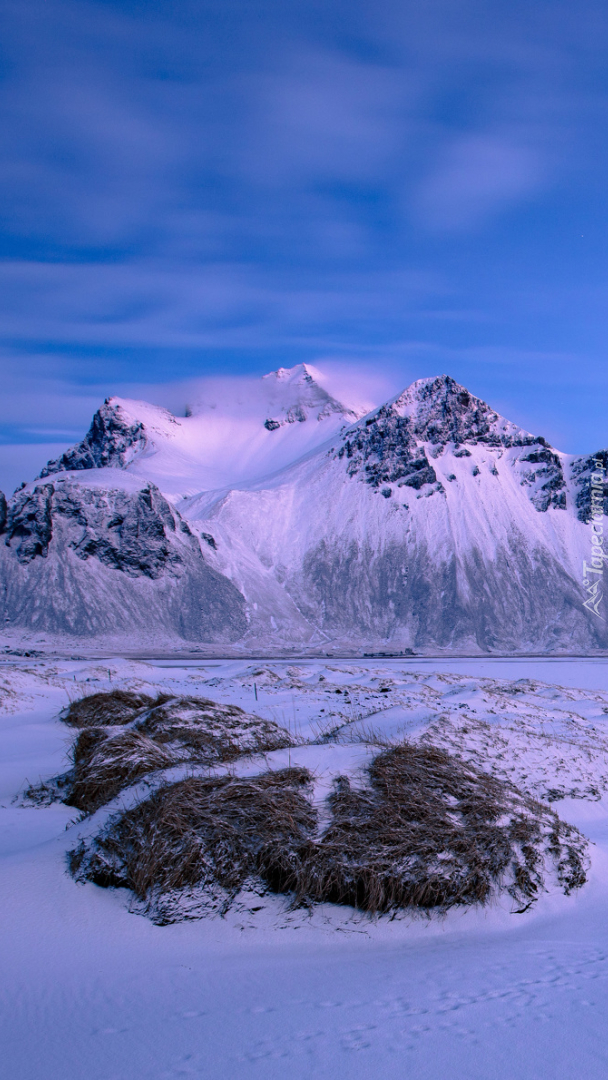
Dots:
(285, 415)
(428, 522)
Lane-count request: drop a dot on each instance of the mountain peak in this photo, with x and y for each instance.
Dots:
(296, 394)
(297, 374)
(113, 438)
(441, 411)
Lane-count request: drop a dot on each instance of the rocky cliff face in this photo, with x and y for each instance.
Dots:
(384, 451)
(431, 523)
(128, 531)
(95, 560)
(113, 439)
(394, 444)
(441, 411)
(582, 469)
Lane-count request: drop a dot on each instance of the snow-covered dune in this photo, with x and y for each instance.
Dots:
(91, 989)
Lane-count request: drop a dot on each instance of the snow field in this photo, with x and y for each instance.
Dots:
(92, 990)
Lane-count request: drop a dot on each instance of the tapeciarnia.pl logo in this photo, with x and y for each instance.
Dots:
(593, 572)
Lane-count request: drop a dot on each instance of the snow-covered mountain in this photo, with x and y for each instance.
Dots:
(110, 557)
(247, 434)
(286, 519)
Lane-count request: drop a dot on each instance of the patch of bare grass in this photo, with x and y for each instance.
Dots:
(213, 832)
(125, 736)
(105, 764)
(211, 731)
(431, 832)
(427, 832)
(109, 708)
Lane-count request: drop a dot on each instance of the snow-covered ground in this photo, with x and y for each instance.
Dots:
(91, 990)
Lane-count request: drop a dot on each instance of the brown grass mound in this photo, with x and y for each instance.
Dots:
(114, 707)
(215, 832)
(125, 736)
(106, 763)
(429, 832)
(433, 832)
(213, 732)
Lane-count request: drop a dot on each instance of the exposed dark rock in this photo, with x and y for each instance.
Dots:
(2, 511)
(132, 537)
(547, 478)
(28, 523)
(111, 440)
(209, 539)
(384, 451)
(271, 425)
(386, 447)
(125, 531)
(582, 469)
(446, 412)
(85, 561)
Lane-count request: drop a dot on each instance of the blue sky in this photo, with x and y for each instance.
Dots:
(393, 189)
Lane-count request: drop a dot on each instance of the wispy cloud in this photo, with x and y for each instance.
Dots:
(202, 187)
(476, 176)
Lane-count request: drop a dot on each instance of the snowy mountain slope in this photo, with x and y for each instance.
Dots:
(109, 557)
(430, 523)
(220, 444)
(433, 521)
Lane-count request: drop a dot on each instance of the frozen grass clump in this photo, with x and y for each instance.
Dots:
(105, 764)
(426, 832)
(124, 737)
(113, 707)
(211, 731)
(432, 832)
(215, 832)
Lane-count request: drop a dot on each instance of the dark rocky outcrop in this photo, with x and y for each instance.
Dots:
(582, 468)
(446, 412)
(28, 526)
(383, 450)
(86, 560)
(123, 530)
(112, 440)
(388, 447)
(546, 477)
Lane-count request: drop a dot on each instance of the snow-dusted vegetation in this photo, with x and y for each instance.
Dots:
(415, 828)
(296, 835)
(384, 790)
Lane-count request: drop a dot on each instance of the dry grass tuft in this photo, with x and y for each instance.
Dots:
(198, 831)
(106, 763)
(125, 736)
(47, 792)
(431, 832)
(114, 707)
(212, 732)
(428, 832)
